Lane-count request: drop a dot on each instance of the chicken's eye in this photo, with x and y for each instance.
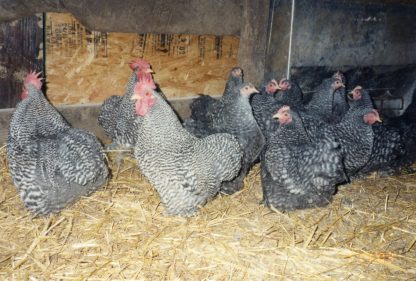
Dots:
(147, 94)
(246, 88)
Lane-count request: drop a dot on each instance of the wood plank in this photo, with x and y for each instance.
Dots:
(20, 51)
(85, 116)
(253, 39)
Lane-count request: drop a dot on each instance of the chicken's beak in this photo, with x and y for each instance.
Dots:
(255, 90)
(350, 95)
(280, 82)
(150, 70)
(342, 85)
(135, 97)
(276, 116)
(276, 83)
(378, 116)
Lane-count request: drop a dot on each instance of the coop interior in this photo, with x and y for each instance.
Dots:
(121, 231)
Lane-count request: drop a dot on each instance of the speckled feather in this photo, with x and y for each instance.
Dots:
(297, 173)
(117, 116)
(185, 170)
(235, 116)
(52, 164)
(204, 108)
(292, 97)
(356, 139)
(263, 106)
(327, 104)
(394, 147)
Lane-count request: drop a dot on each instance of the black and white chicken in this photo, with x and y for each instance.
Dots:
(52, 164)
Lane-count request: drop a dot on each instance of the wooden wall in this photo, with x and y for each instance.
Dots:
(84, 66)
(21, 50)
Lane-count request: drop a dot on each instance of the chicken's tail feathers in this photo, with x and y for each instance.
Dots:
(83, 160)
(107, 114)
(408, 139)
(329, 158)
(199, 106)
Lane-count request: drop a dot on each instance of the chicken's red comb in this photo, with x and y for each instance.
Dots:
(139, 64)
(282, 80)
(34, 79)
(357, 88)
(375, 111)
(339, 75)
(284, 108)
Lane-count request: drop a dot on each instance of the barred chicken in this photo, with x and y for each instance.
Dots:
(186, 171)
(327, 103)
(290, 94)
(234, 115)
(394, 145)
(231, 114)
(204, 107)
(264, 103)
(117, 112)
(298, 173)
(355, 134)
(360, 97)
(235, 78)
(52, 164)
(275, 95)
(340, 103)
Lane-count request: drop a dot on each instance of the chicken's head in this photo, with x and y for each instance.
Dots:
(237, 72)
(33, 79)
(272, 87)
(142, 68)
(284, 84)
(283, 115)
(336, 84)
(355, 94)
(340, 76)
(372, 117)
(143, 94)
(246, 89)
(139, 64)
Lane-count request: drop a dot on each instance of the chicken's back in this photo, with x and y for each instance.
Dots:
(298, 177)
(108, 114)
(51, 163)
(52, 172)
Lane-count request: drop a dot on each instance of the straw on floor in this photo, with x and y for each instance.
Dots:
(122, 233)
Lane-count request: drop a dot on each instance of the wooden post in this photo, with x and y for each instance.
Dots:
(253, 39)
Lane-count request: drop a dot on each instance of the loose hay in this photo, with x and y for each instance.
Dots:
(122, 233)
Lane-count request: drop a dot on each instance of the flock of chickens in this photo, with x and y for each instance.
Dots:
(306, 145)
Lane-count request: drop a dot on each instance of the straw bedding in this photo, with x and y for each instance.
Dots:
(122, 233)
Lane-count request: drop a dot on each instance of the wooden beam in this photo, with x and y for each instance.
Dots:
(253, 39)
(138, 16)
(86, 116)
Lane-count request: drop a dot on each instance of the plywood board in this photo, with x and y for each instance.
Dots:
(84, 66)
